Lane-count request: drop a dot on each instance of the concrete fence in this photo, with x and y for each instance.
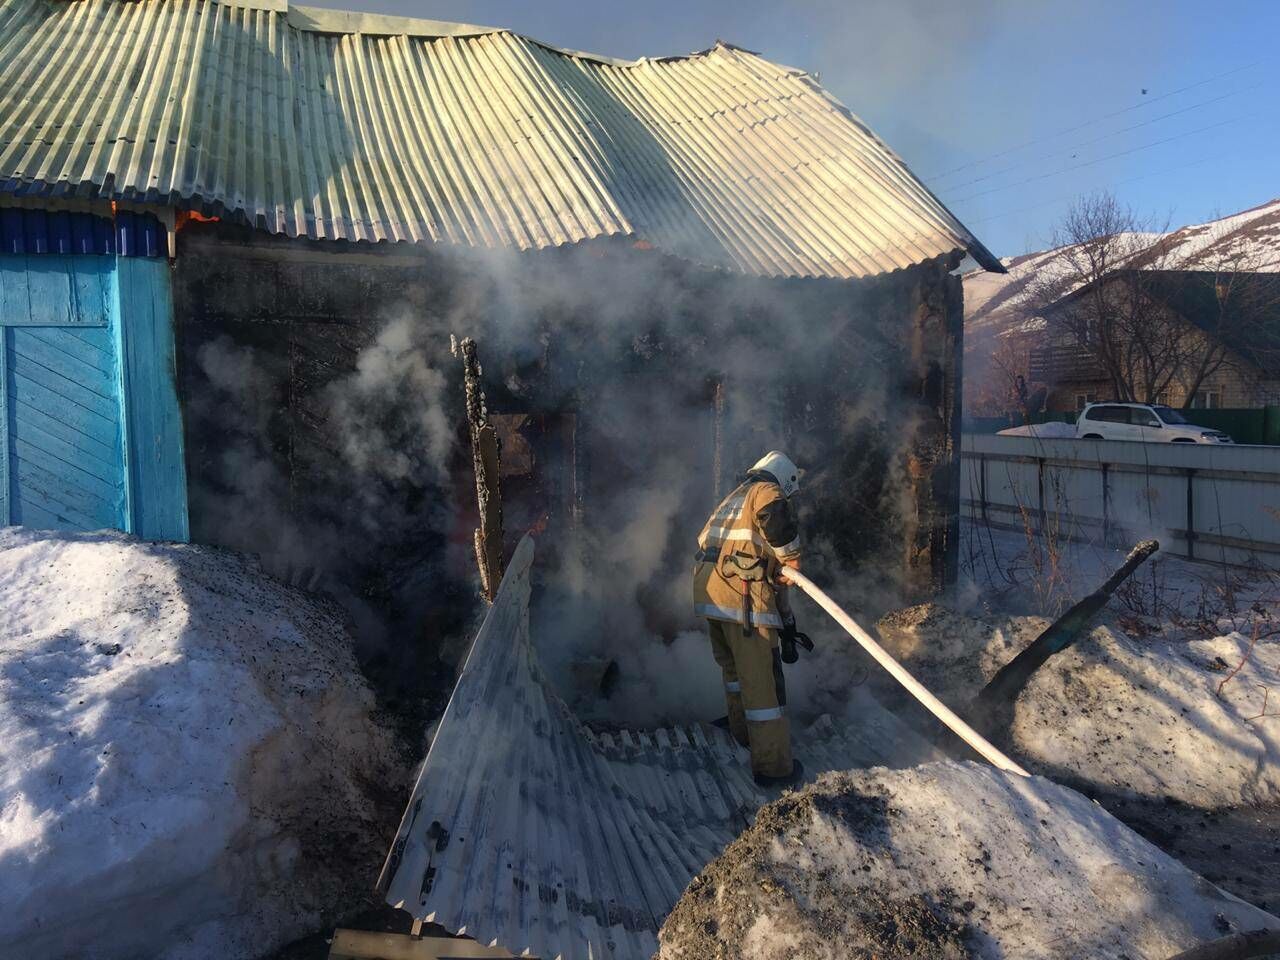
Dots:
(1202, 501)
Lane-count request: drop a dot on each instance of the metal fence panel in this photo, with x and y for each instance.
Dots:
(1202, 501)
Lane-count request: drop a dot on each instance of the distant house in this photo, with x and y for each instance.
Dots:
(1218, 339)
(1004, 323)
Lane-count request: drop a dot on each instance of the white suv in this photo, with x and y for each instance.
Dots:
(1148, 422)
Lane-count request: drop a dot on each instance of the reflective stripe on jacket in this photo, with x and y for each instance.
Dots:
(754, 524)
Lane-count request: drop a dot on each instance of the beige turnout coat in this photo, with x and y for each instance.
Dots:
(753, 528)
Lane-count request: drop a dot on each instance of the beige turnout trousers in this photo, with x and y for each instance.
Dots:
(755, 694)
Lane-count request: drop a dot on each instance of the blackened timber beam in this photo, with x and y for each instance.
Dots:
(485, 458)
(935, 353)
(999, 694)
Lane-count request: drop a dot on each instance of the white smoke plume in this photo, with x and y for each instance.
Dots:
(363, 461)
(391, 415)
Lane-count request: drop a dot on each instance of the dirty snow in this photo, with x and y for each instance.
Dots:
(1169, 696)
(951, 653)
(188, 764)
(945, 860)
(1134, 717)
(1054, 429)
(1144, 718)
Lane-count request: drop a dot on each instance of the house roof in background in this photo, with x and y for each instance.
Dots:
(1246, 319)
(1245, 316)
(327, 124)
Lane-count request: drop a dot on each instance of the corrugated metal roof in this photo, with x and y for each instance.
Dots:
(528, 830)
(354, 126)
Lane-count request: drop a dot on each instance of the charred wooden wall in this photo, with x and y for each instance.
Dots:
(625, 399)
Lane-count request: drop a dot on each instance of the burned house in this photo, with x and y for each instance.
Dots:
(669, 266)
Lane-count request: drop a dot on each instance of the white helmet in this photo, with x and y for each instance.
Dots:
(779, 465)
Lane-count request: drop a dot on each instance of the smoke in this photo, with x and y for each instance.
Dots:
(341, 446)
(390, 415)
(635, 344)
(335, 480)
(917, 70)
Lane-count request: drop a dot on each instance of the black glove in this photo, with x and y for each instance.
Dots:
(791, 638)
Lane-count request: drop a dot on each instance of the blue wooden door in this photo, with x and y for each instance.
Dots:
(62, 413)
(63, 420)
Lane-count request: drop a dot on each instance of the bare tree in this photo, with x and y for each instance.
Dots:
(1238, 311)
(1122, 293)
(995, 366)
(1097, 295)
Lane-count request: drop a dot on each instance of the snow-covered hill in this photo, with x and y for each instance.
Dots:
(991, 300)
(189, 767)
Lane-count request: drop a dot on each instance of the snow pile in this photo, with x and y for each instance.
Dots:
(951, 653)
(1135, 717)
(942, 861)
(1053, 430)
(1145, 718)
(188, 765)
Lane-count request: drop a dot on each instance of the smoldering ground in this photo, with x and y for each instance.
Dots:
(338, 443)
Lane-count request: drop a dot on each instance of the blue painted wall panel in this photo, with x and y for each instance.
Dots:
(157, 471)
(47, 360)
(55, 290)
(31, 231)
(6, 405)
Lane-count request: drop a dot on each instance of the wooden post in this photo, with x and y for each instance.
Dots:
(1040, 488)
(997, 697)
(1106, 504)
(935, 352)
(982, 485)
(485, 459)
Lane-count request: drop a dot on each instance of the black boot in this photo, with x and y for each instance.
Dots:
(794, 778)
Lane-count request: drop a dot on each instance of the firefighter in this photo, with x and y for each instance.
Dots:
(739, 586)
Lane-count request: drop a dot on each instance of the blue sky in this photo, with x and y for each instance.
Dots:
(1007, 108)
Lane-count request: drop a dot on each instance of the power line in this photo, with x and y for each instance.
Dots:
(1111, 156)
(1091, 122)
(1105, 136)
(1072, 196)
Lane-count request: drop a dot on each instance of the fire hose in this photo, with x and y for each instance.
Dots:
(899, 673)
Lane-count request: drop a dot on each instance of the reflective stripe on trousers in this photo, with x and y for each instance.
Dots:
(757, 718)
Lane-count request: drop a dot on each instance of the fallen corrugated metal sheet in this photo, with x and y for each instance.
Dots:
(326, 124)
(527, 830)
